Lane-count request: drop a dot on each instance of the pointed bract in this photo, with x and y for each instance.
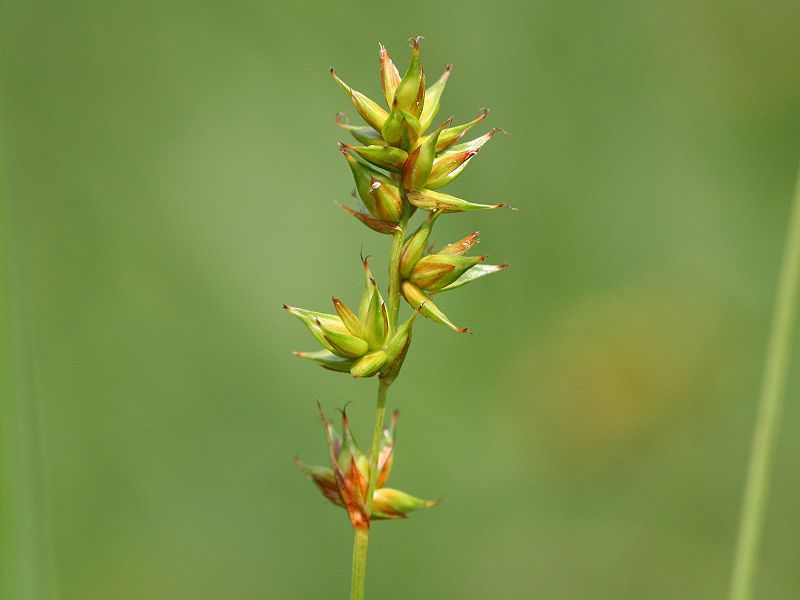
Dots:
(432, 200)
(410, 92)
(435, 271)
(385, 157)
(417, 299)
(390, 76)
(433, 96)
(447, 167)
(418, 166)
(474, 273)
(369, 110)
(364, 134)
(367, 219)
(328, 360)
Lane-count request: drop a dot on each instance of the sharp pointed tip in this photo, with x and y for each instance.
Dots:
(502, 266)
(464, 330)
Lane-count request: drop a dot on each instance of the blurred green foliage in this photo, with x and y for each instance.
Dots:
(169, 180)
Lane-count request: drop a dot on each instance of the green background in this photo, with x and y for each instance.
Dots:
(169, 172)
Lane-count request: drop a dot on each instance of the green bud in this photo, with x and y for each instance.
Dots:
(447, 167)
(363, 175)
(365, 134)
(397, 348)
(430, 200)
(328, 360)
(474, 273)
(388, 503)
(343, 344)
(367, 219)
(385, 157)
(411, 131)
(433, 96)
(461, 246)
(393, 127)
(418, 166)
(410, 93)
(369, 364)
(390, 76)
(426, 306)
(415, 245)
(387, 200)
(349, 318)
(376, 324)
(369, 110)
(435, 271)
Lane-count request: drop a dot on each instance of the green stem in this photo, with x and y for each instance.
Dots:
(361, 540)
(394, 270)
(769, 412)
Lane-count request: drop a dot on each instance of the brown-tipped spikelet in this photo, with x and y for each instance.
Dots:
(345, 482)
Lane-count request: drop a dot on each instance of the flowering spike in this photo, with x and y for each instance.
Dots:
(369, 110)
(345, 482)
(410, 93)
(447, 167)
(364, 134)
(417, 299)
(433, 96)
(474, 273)
(431, 200)
(414, 247)
(435, 271)
(390, 76)
(328, 360)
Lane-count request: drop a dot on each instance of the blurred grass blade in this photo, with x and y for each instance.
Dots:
(769, 411)
(26, 568)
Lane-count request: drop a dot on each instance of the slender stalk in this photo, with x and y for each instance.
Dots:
(769, 412)
(361, 537)
(361, 540)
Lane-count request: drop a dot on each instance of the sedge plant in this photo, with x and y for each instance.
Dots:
(401, 159)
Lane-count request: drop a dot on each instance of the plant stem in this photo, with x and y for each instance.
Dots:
(361, 537)
(769, 412)
(361, 540)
